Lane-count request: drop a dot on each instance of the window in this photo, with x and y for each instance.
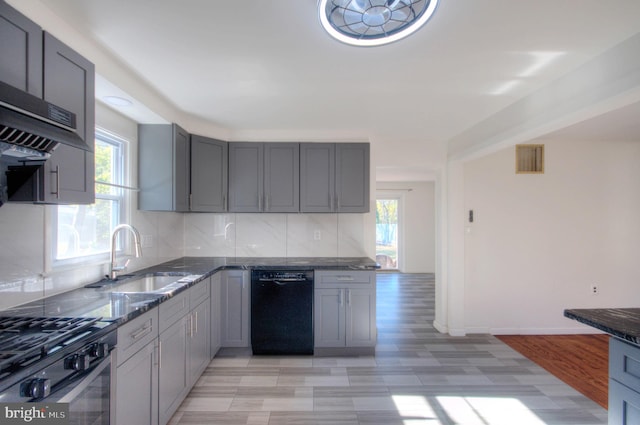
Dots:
(387, 221)
(83, 231)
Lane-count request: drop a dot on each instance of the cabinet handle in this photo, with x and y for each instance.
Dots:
(196, 323)
(140, 332)
(57, 173)
(267, 200)
(156, 354)
(160, 354)
(345, 278)
(348, 297)
(224, 202)
(340, 297)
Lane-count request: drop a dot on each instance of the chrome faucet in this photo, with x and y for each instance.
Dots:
(113, 275)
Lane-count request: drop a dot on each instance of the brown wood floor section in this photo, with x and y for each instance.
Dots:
(581, 361)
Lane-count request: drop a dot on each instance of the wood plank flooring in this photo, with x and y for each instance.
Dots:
(582, 361)
(418, 376)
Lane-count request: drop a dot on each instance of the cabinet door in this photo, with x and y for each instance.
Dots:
(208, 174)
(181, 166)
(20, 50)
(329, 320)
(352, 177)
(282, 177)
(136, 394)
(173, 373)
(317, 177)
(246, 169)
(624, 404)
(199, 343)
(216, 293)
(361, 318)
(235, 309)
(69, 83)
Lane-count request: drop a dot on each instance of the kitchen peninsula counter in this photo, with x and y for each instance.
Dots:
(624, 358)
(623, 323)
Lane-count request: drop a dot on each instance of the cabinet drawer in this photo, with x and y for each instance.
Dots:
(624, 363)
(137, 333)
(173, 310)
(199, 292)
(342, 278)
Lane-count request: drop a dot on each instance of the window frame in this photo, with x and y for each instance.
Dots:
(121, 181)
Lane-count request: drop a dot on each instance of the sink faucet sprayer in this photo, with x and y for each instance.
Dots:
(136, 241)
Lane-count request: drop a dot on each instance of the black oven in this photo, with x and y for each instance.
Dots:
(72, 371)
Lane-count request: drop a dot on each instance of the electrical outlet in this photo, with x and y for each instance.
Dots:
(594, 289)
(146, 241)
(317, 235)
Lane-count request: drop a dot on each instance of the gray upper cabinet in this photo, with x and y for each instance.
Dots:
(317, 177)
(20, 50)
(163, 167)
(69, 82)
(334, 177)
(208, 174)
(38, 63)
(264, 177)
(352, 177)
(246, 168)
(281, 177)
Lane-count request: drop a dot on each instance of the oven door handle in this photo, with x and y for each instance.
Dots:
(86, 381)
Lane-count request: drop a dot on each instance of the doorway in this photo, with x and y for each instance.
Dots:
(388, 232)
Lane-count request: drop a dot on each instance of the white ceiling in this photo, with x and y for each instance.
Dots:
(264, 69)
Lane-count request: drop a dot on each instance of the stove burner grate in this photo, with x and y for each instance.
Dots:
(24, 338)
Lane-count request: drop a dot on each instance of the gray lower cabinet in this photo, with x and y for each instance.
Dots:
(234, 300)
(334, 177)
(163, 167)
(173, 379)
(624, 383)
(209, 159)
(199, 347)
(344, 311)
(264, 177)
(216, 294)
(136, 395)
(161, 354)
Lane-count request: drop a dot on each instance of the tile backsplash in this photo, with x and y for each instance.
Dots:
(274, 235)
(25, 276)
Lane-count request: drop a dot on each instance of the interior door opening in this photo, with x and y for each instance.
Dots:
(387, 233)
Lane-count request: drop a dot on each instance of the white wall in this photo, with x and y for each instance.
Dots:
(418, 216)
(539, 241)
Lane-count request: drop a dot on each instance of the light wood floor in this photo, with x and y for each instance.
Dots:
(418, 376)
(581, 361)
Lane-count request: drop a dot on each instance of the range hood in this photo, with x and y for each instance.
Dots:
(31, 128)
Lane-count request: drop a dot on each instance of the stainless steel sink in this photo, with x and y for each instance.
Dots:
(147, 283)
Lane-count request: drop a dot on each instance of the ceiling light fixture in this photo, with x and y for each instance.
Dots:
(373, 22)
(117, 101)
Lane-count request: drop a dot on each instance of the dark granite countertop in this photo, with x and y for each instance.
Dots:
(623, 323)
(101, 302)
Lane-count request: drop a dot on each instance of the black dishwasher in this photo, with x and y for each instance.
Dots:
(282, 312)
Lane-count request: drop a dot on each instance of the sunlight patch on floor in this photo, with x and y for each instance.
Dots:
(488, 410)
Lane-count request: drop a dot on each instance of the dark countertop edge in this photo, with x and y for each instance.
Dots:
(208, 266)
(580, 315)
